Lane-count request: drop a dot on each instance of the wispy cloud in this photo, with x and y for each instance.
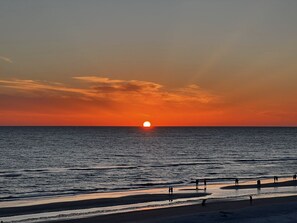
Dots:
(146, 90)
(31, 86)
(111, 89)
(6, 59)
(106, 85)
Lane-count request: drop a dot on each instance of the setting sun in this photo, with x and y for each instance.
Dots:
(146, 124)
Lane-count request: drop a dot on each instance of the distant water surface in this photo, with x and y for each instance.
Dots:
(51, 161)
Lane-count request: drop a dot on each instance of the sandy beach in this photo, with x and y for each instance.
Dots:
(223, 202)
(281, 209)
(101, 202)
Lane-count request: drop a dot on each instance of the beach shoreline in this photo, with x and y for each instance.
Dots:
(100, 202)
(187, 200)
(288, 183)
(267, 207)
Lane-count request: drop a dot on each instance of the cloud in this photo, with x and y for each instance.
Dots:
(32, 86)
(6, 59)
(106, 85)
(146, 91)
(121, 91)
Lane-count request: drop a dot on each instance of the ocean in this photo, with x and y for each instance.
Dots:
(55, 161)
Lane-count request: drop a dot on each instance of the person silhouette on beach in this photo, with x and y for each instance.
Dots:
(204, 183)
(251, 199)
(294, 177)
(236, 182)
(259, 184)
(203, 202)
(197, 184)
(275, 179)
(170, 193)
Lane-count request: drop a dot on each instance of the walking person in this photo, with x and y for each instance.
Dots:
(294, 177)
(170, 193)
(275, 179)
(203, 202)
(259, 184)
(197, 184)
(236, 182)
(204, 183)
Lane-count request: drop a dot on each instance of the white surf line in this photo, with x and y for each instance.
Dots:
(69, 214)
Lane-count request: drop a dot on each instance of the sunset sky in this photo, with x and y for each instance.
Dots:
(175, 63)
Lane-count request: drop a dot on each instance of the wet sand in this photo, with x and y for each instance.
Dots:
(91, 203)
(221, 197)
(263, 185)
(265, 209)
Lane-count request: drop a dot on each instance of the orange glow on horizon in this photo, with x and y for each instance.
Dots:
(113, 102)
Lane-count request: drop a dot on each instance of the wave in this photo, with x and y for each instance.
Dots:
(102, 168)
(20, 172)
(285, 159)
(36, 170)
(185, 164)
(11, 175)
(126, 155)
(158, 184)
(50, 193)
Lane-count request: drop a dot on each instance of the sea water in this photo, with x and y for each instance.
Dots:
(54, 161)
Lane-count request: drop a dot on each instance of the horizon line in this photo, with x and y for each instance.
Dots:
(161, 126)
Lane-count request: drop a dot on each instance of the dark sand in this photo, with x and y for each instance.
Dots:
(100, 202)
(278, 207)
(264, 185)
